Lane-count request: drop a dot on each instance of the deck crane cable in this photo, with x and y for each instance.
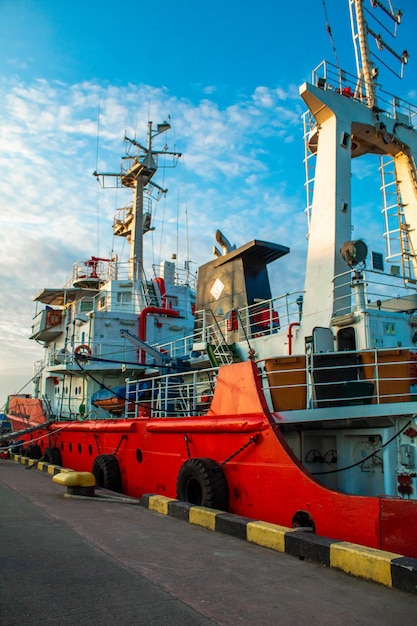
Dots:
(329, 31)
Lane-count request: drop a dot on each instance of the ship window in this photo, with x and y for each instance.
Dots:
(172, 301)
(90, 449)
(345, 140)
(79, 448)
(124, 297)
(139, 455)
(86, 306)
(102, 302)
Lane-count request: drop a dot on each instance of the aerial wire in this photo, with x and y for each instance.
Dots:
(178, 224)
(187, 239)
(97, 191)
(163, 212)
(329, 32)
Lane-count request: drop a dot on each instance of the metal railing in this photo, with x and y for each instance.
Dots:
(329, 77)
(324, 380)
(172, 395)
(347, 378)
(372, 289)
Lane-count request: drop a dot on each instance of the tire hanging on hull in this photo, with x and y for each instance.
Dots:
(53, 455)
(33, 451)
(107, 472)
(202, 482)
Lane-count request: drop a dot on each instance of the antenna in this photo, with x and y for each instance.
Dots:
(98, 131)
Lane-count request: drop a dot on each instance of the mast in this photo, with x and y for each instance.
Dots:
(345, 124)
(136, 173)
(365, 70)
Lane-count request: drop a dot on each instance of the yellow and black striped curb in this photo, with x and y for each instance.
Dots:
(42, 466)
(386, 568)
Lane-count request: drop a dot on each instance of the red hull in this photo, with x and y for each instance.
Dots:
(265, 480)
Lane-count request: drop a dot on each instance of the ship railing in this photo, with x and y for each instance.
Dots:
(123, 218)
(371, 289)
(47, 324)
(90, 269)
(38, 366)
(264, 317)
(327, 76)
(267, 317)
(177, 348)
(180, 276)
(172, 395)
(333, 379)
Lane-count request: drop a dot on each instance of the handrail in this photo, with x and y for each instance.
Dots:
(345, 378)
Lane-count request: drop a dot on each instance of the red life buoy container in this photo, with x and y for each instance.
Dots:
(83, 350)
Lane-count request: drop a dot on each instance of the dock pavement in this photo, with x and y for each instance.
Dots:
(94, 561)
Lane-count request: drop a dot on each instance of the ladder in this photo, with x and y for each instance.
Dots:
(396, 230)
(153, 295)
(218, 351)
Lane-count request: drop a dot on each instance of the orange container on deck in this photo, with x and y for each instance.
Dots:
(287, 381)
(390, 371)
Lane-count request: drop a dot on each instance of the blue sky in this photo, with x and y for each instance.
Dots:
(228, 75)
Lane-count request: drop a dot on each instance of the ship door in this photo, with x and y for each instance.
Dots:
(322, 340)
(346, 339)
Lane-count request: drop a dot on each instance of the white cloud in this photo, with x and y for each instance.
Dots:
(50, 202)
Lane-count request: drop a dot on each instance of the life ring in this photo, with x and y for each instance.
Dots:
(83, 351)
(202, 482)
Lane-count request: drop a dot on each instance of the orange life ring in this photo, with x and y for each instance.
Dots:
(83, 350)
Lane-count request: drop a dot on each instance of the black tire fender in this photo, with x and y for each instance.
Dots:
(202, 482)
(107, 472)
(53, 455)
(33, 451)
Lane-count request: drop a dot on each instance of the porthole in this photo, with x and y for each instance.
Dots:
(79, 448)
(70, 446)
(90, 449)
(139, 455)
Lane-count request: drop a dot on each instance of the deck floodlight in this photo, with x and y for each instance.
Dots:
(354, 252)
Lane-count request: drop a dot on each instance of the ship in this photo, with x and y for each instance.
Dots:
(298, 409)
